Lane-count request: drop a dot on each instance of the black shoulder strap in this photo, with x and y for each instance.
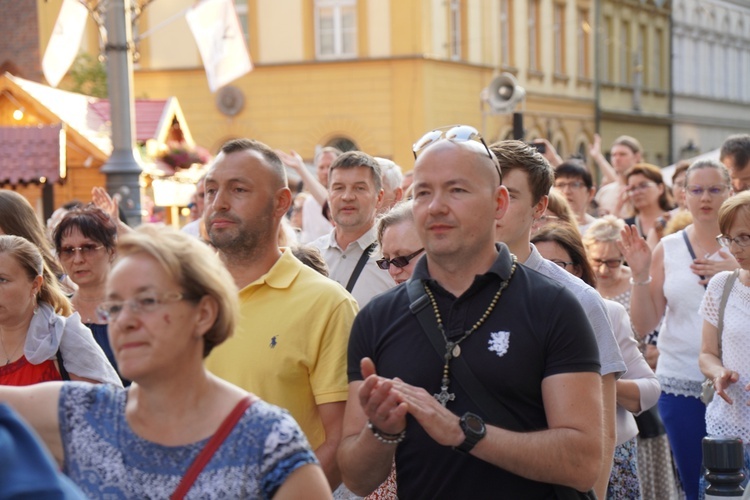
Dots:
(692, 253)
(61, 366)
(360, 265)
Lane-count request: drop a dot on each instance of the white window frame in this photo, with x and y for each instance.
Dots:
(505, 33)
(558, 29)
(240, 6)
(626, 61)
(338, 30)
(455, 41)
(533, 28)
(583, 42)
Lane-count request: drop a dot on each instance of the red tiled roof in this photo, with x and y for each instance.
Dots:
(29, 153)
(148, 114)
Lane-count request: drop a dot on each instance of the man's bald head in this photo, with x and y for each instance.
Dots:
(470, 151)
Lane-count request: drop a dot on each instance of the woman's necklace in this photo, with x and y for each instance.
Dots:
(453, 349)
(5, 351)
(87, 308)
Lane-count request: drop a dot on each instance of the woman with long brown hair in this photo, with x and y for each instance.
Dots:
(39, 338)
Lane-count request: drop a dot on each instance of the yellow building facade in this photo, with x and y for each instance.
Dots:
(375, 74)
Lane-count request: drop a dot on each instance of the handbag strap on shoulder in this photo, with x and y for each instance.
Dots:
(208, 451)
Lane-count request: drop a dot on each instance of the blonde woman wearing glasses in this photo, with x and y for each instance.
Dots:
(671, 284)
(725, 352)
(169, 303)
(655, 466)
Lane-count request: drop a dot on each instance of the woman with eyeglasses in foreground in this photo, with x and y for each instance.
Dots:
(39, 338)
(85, 240)
(725, 351)
(399, 242)
(670, 284)
(655, 466)
(169, 302)
(637, 390)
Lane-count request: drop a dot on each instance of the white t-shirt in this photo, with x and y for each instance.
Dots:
(314, 225)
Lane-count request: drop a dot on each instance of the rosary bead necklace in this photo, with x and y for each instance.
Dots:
(453, 349)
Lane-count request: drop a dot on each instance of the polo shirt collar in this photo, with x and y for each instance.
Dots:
(501, 267)
(282, 273)
(363, 241)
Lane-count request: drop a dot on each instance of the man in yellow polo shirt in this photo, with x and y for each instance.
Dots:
(290, 345)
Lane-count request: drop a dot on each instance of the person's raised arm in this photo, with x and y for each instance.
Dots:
(550, 153)
(332, 416)
(365, 461)
(609, 174)
(111, 206)
(294, 161)
(647, 302)
(38, 405)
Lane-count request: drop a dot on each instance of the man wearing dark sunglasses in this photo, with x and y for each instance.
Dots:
(523, 338)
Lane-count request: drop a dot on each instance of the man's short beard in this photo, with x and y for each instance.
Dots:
(247, 243)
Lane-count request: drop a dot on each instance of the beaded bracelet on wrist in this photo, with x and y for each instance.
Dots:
(384, 437)
(638, 283)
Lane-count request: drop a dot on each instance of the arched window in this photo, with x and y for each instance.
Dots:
(343, 144)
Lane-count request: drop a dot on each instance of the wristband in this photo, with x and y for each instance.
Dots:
(638, 283)
(384, 437)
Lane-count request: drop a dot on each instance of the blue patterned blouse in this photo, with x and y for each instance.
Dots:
(107, 460)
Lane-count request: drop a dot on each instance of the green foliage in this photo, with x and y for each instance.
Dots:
(89, 76)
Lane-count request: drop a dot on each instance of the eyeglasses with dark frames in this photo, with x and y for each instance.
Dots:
(399, 262)
(454, 133)
(562, 263)
(610, 263)
(85, 250)
(572, 185)
(742, 240)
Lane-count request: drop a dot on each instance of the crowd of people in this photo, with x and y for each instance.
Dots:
(495, 323)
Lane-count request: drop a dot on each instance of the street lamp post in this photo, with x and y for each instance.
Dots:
(123, 169)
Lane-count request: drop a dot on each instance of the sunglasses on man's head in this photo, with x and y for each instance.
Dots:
(399, 262)
(454, 133)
